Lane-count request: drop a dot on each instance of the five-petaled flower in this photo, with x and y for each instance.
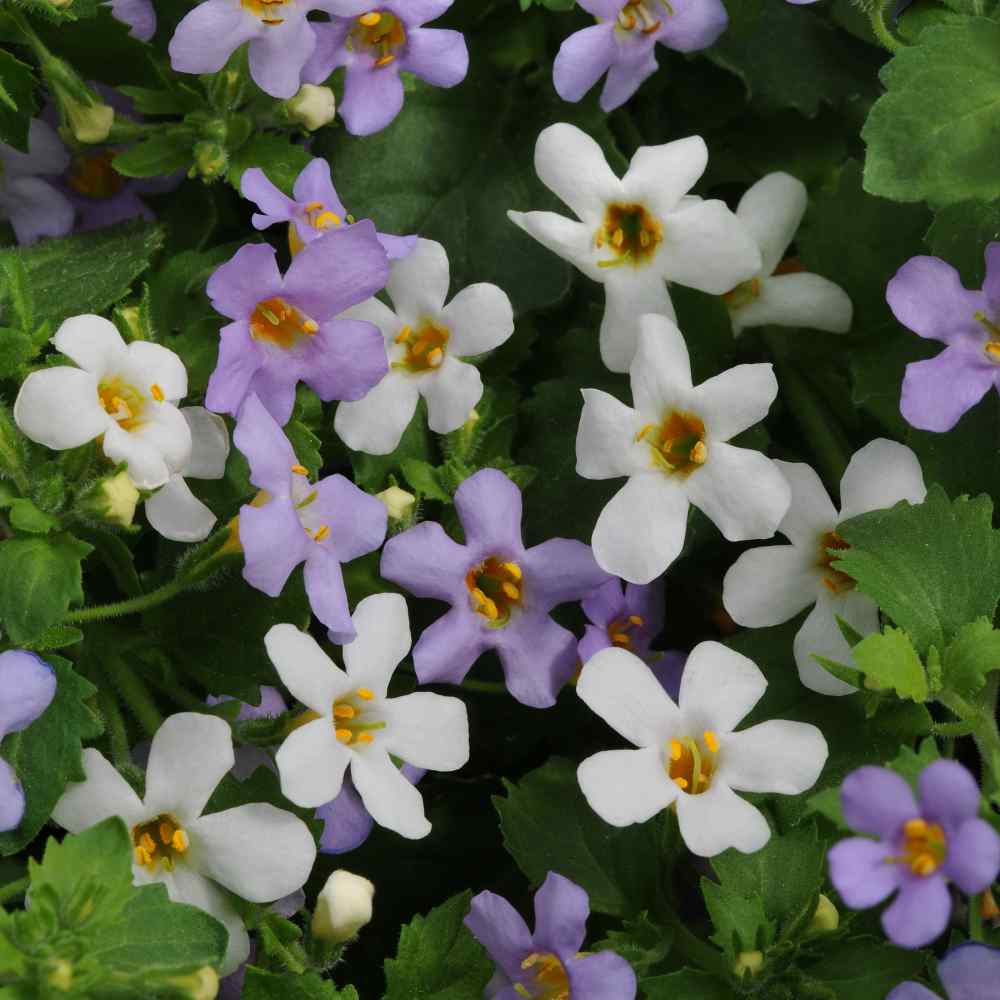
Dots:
(672, 445)
(292, 521)
(688, 754)
(351, 722)
(126, 395)
(919, 847)
(927, 296)
(257, 851)
(425, 340)
(969, 972)
(783, 293)
(623, 44)
(628, 617)
(286, 329)
(547, 964)
(388, 38)
(770, 584)
(637, 233)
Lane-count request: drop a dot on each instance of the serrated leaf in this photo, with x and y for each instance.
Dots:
(642, 943)
(263, 985)
(865, 969)
(970, 656)
(26, 517)
(425, 479)
(740, 923)
(57, 637)
(889, 660)
(161, 154)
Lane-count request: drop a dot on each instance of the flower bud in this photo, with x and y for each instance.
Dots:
(202, 984)
(113, 499)
(826, 918)
(313, 107)
(748, 963)
(210, 159)
(90, 123)
(397, 502)
(343, 908)
(60, 975)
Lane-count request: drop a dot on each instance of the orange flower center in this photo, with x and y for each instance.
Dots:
(621, 631)
(123, 402)
(269, 11)
(692, 763)
(380, 32)
(495, 588)
(924, 847)
(551, 981)
(93, 175)
(833, 579)
(425, 347)
(630, 234)
(992, 345)
(159, 842)
(637, 16)
(278, 323)
(678, 444)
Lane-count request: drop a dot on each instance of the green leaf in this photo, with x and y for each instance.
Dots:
(933, 135)
(909, 763)
(262, 985)
(306, 446)
(932, 568)
(740, 923)
(548, 826)
(970, 656)
(640, 942)
(39, 579)
(279, 158)
(56, 637)
(46, 755)
(865, 969)
(15, 286)
(687, 984)
(960, 233)
(889, 660)
(17, 101)
(425, 479)
(162, 153)
(25, 516)
(437, 957)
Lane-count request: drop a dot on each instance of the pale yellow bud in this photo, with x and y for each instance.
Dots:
(60, 975)
(114, 499)
(343, 908)
(826, 918)
(397, 502)
(200, 985)
(313, 107)
(748, 963)
(90, 123)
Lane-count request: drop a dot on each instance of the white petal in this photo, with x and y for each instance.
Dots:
(258, 851)
(741, 491)
(659, 176)
(176, 513)
(102, 793)
(427, 730)
(190, 754)
(452, 392)
(800, 299)
(719, 819)
(706, 247)
(776, 756)
(620, 688)
(606, 445)
(92, 342)
(480, 318)
(735, 399)
(159, 446)
(626, 786)
(769, 585)
(572, 166)
(374, 311)
(661, 372)
(879, 475)
(641, 530)
(382, 622)
(418, 282)
(375, 424)
(209, 443)
(149, 364)
(719, 687)
(311, 763)
(630, 293)
(811, 513)
(820, 634)
(571, 240)
(772, 210)
(311, 676)
(392, 801)
(59, 408)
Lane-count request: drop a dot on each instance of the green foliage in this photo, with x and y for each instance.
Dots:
(262, 985)
(275, 155)
(864, 969)
(888, 660)
(970, 656)
(642, 943)
(686, 985)
(17, 101)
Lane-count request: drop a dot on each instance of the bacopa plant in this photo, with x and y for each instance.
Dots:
(497, 500)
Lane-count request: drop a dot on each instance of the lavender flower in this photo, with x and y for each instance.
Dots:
(623, 44)
(927, 296)
(27, 687)
(139, 15)
(375, 48)
(631, 618)
(501, 593)
(314, 210)
(548, 963)
(968, 972)
(292, 521)
(918, 850)
(285, 329)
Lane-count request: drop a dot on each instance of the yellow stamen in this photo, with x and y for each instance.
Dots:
(141, 856)
(620, 639)
(326, 219)
(676, 750)
(681, 783)
(510, 590)
(179, 841)
(120, 405)
(343, 735)
(711, 740)
(166, 832)
(513, 569)
(435, 357)
(924, 864)
(636, 620)
(300, 470)
(148, 844)
(343, 712)
(156, 392)
(699, 453)
(403, 335)
(385, 60)
(321, 532)
(618, 238)
(371, 19)
(311, 327)
(643, 431)
(314, 206)
(365, 737)
(366, 694)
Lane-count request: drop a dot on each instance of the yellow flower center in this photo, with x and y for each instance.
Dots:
(630, 234)
(93, 175)
(833, 579)
(692, 763)
(495, 589)
(924, 847)
(425, 347)
(125, 403)
(621, 631)
(276, 322)
(353, 719)
(551, 981)
(382, 33)
(269, 11)
(319, 217)
(678, 444)
(159, 842)
(637, 16)
(304, 496)
(992, 345)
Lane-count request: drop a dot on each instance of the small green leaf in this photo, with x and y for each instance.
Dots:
(162, 153)
(56, 637)
(425, 479)
(306, 446)
(865, 969)
(25, 516)
(642, 943)
(262, 985)
(889, 660)
(281, 160)
(970, 656)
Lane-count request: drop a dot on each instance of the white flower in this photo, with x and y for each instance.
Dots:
(425, 340)
(344, 906)
(125, 393)
(689, 755)
(639, 232)
(781, 292)
(773, 583)
(672, 446)
(352, 723)
(174, 511)
(257, 851)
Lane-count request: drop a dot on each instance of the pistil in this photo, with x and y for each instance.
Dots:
(691, 765)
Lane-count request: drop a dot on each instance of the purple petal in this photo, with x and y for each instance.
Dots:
(250, 276)
(314, 183)
(583, 59)
(970, 972)
(560, 570)
(926, 295)
(938, 391)
(139, 15)
(346, 822)
(330, 52)
(877, 801)
(208, 35)
(397, 247)
(35, 209)
(27, 687)
(991, 287)
(625, 77)
(416, 12)
(327, 595)
(447, 649)
(271, 704)
(561, 911)
(920, 912)
(948, 794)
(436, 55)
(597, 977)
(693, 25)
(973, 860)
(274, 543)
(859, 872)
(428, 563)
(11, 798)
(275, 205)
(603, 605)
(373, 96)
(538, 657)
(905, 991)
(489, 507)
(278, 55)
(604, 9)
(357, 520)
(498, 927)
(240, 358)
(274, 383)
(110, 211)
(346, 360)
(594, 640)
(266, 448)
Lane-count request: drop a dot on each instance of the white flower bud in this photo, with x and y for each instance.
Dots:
(748, 963)
(397, 502)
(826, 918)
(114, 499)
(313, 107)
(90, 123)
(202, 984)
(343, 908)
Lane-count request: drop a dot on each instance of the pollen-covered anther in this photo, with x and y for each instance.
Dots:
(743, 294)
(678, 444)
(277, 322)
(156, 392)
(834, 580)
(381, 33)
(266, 10)
(300, 470)
(924, 847)
(550, 979)
(352, 718)
(631, 233)
(322, 532)
(159, 842)
(425, 347)
(691, 763)
(495, 588)
(621, 631)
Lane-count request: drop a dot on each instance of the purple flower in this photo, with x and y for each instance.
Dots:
(33, 206)
(139, 15)
(548, 963)
(501, 593)
(968, 972)
(27, 687)
(918, 850)
(375, 48)
(293, 521)
(315, 209)
(927, 296)
(631, 619)
(623, 44)
(286, 329)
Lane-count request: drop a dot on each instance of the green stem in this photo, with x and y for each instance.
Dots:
(115, 723)
(293, 958)
(485, 687)
(980, 717)
(692, 947)
(883, 35)
(976, 918)
(134, 693)
(130, 607)
(13, 890)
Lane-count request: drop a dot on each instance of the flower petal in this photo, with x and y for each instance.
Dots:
(357, 519)
(973, 859)
(719, 688)
(561, 911)
(308, 673)
(939, 391)
(447, 649)
(909, 991)
(91, 342)
(375, 423)
(430, 731)
(920, 912)
(736, 399)
(775, 756)
(859, 872)
(452, 391)
(630, 294)
(661, 372)
(250, 276)
(152, 363)
(772, 210)
(970, 971)
(27, 687)
(480, 319)
(393, 802)
(208, 35)
(499, 928)
(427, 562)
(626, 786)
(12, 799)
(820, 635)
(102, 793)
(567, 238)
(157, 447)
(948, 794)
(312, 762)
(769, 585)
(926, 295)
(274, 543)
(278, 55)
(346, 823)
(879, 475)
(572, 166)
(418, 283)
(583, 58)
(560, 570)
(59, 408)
(605, 974)
(274, 204)
(176, 513)
(489, 506)
(811, 513)
(372, 97)
(345, 360)
(266, 448)
(240, 359)
(383, 639)
(606, 445)
(538, 657)
(660, 176)
(209, 443)
(718, 819)
(797, 300)
(438, 56)
(35, 209)
(877, 801)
